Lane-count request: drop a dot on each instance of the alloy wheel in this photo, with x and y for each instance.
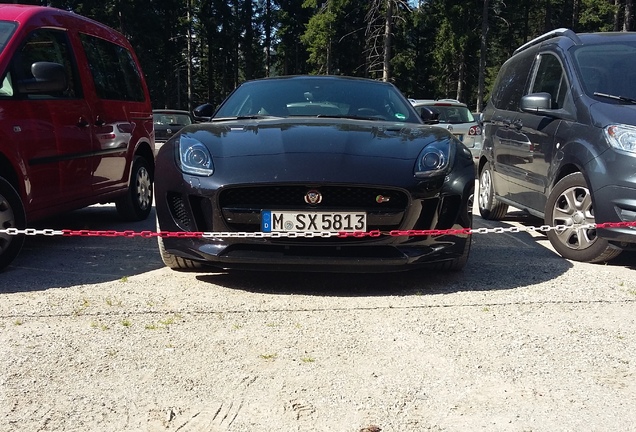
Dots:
(572, 211)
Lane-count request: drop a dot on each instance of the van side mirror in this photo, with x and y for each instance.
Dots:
(47, 78)
(536, 103)
(541, 104)
(428, 115)
(203, 112)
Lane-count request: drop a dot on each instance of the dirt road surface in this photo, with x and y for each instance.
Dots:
(97, 335)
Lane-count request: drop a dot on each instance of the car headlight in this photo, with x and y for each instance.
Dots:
(194, 157)
(434, 159)
(621, 137)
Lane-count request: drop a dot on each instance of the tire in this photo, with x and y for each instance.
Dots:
(570, 203)
(456, 264)
(489, 207)
(177, 263)
(137, 203)
(12, 215)
(174, 262)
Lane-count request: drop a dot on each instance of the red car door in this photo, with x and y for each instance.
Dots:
(52, 133)
(120, 107)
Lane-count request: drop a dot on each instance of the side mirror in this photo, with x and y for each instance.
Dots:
(428, 115)
(541, 104)
(203, 112)
(47, 78)
(536, 103)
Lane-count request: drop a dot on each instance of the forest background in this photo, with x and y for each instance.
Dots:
(196, 51)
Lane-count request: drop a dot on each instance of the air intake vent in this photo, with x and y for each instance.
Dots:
(179, 211)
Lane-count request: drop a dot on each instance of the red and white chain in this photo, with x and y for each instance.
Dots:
(308, 234)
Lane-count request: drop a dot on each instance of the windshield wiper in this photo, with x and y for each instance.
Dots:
(353, 117)
(614, 97)
(245, 117)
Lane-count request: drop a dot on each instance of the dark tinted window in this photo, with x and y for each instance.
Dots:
(6, 30)
(450, 114)
(608, 68)
(114, 71)
(511, 81)
(43, 45)
(171, 119)
(326, 97)
(550, 78)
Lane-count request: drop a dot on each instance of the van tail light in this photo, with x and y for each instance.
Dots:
(474, 130)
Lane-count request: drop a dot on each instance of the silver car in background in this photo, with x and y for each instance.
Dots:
(457, 118)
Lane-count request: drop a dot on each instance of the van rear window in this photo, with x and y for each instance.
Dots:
(114, 71)
(6, 30)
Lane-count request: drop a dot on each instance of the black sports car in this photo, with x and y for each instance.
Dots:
(314, 173)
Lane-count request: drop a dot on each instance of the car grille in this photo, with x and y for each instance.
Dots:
(241, 206)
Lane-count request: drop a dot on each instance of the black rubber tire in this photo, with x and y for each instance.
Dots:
(489, 207)
(12, 215)
(570, 202)
(137, 203)
(455, 264)
(177, 263)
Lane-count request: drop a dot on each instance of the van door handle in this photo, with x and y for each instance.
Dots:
(518, 124)
(81, 122)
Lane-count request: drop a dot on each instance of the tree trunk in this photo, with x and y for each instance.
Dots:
(576, 7)
(189, 54)
(627, 23)
(461, 76)
(248, 41)
(482, 56)
(547, 24)
(388, 30)
(617, 15)
(268, 36)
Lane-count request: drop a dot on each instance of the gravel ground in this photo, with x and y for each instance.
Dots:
(97, 335)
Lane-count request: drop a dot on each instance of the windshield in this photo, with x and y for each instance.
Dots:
(170, 119)
(451, 114)
(6, 30)
(607, 69)
(318, 97)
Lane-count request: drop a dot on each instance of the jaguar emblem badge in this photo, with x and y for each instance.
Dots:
(313, 197)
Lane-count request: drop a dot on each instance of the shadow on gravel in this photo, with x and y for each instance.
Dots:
(498, 261)
(57, 261)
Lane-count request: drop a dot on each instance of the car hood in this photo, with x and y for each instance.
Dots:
(315, 149)
(604, 114)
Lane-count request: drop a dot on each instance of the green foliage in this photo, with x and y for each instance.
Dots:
(197, 51)
(596, 16)
(317, 38)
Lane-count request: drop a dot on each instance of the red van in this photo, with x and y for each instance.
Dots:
(75, 120)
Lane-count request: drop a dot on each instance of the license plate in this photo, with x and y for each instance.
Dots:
(282, 221)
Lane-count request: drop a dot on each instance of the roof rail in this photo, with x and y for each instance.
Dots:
(549, 35)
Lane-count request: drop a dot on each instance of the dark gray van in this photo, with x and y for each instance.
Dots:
(560, 141)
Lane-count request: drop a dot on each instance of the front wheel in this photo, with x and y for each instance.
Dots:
(570, 206)
(137, 203)
(177, 263)
(12, 215)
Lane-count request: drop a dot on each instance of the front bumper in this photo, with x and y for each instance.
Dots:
(613, 180)
(192, 211)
